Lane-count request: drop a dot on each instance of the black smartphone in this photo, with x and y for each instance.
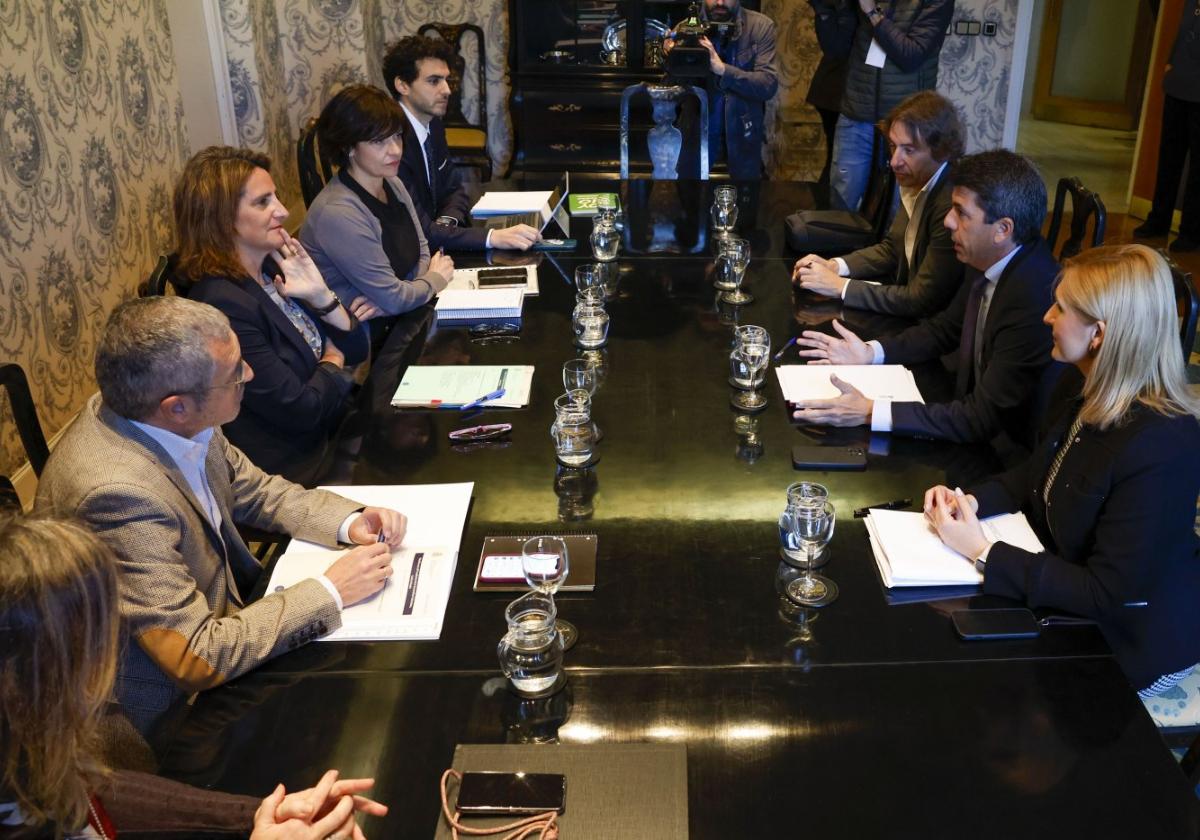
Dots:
(809, 457)
(511, 793)
(1014, 623)
(489, 278)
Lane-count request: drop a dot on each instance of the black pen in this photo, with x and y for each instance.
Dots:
(898, 504)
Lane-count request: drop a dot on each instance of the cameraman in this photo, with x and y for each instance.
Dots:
(742, 77)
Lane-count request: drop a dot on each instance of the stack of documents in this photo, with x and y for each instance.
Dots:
(909, 552)
(470, 306)
(501, 203)
(877, 382)
(412, 604)
(455, 386)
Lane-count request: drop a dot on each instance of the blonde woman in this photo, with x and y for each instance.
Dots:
(1111, 489)
(58, 659)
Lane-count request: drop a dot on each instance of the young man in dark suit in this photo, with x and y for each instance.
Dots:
(993, 324)
(417, 70)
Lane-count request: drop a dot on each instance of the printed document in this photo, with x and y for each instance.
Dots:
(877, 382)
(453, 386)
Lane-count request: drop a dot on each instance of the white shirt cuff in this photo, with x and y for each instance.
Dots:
(487, 243)
(843, 269)
(877, 349)
(983, 555)
(845, 286)
(328, 584)
(881, 416)
(343, 534)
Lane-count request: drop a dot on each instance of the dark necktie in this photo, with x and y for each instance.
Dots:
(430, 170)
(966, 343)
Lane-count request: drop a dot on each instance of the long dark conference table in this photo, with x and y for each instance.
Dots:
(866, 718)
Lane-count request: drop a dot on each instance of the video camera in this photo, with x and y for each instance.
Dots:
(689, 59)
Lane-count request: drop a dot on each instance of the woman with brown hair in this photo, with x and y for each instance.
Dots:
(295, 334)
(58, 656)
(1111, 489)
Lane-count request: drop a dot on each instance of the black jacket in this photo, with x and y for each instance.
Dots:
(451, 197)
(910, 34)
(1118, 532)
(293, 405)
(1015, 357)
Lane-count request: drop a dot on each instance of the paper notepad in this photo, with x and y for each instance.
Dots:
(499, 203)
(479, 304)
(453, 386)
(877, 382)
(908, 551)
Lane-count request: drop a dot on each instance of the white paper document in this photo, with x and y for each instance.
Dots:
(412, 604)
(497, 203)
(876, 57)
(909, 552)
(453, 386)
(459, 304)
(468, 278)
(877, 382)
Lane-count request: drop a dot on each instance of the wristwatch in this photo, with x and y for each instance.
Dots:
(874, 13)
(449, 221)
(325, 310)
(981, 560)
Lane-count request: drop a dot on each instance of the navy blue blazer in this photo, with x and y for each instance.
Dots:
(1119, 533)
(1015, 366)
(293, 405)
(448, 196)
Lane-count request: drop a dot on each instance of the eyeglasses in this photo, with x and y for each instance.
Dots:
(495, 333)
(240, 380)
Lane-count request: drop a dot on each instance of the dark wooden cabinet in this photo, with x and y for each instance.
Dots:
(567, 79)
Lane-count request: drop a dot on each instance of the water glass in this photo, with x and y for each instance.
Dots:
(724, 211)
(574, 439)
(735, 253)
(587, 277)
(749, 361)
(590, 324)
(750, 334)
(545, 563)
(605, 239)
(812, 524)
(800, 494)
(579, 374)
(531, 652)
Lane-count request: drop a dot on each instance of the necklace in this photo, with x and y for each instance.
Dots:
(95, 820)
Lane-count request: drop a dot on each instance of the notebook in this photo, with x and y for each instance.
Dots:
(471, 306)
(499, 568)
(876, 382)
(454, 386)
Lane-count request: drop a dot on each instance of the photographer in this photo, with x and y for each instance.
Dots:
(742, 77)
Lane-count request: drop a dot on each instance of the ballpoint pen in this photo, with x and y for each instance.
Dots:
(898, 504)
(784, 348)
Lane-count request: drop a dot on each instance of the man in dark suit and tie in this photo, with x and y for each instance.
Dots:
(993, 324)
(417, 70)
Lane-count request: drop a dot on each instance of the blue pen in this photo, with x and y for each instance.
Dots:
(784, 348)
(499, 392)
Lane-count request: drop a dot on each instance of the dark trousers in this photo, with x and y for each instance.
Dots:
(1180, 138)
(829, 118)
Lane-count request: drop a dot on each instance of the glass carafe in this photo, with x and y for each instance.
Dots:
(531, 652)
(606, 241)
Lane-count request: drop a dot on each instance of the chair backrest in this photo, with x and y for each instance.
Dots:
(663, 155)
(876, 206)
(10, 502)
(20, 398)
(1085, 204)
(161, 278)
(1187, 303)
(457, 34)
(314, 165)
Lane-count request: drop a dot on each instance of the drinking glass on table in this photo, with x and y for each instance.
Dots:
(579, 373)
(736, 256)
(740, 374)
(724, 211)
(588, 277)
(812, 528)
(590, 325)
(545, 563)
(747, 364)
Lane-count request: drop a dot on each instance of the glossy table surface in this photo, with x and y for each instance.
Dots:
(861, 719)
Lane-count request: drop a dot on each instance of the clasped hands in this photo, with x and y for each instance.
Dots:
(850, 408)
(361, 572)
(324, 811)
(952, 514)
(818, 275)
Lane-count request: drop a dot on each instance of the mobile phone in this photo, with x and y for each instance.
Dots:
(489, 278)
(1009, 623)
(809, 457)
(511, 793)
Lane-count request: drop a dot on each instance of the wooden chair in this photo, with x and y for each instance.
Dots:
(1085, 204)
(466, 139)
(161, 277)
(1187, 303)
(315, 167)
(20, 398)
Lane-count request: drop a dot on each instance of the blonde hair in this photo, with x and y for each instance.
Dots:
(58, 659)
(1129, 287)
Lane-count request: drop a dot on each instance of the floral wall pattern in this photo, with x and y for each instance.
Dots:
(91, 140)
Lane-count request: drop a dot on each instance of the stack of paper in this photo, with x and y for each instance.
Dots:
(500, 202)
(454, 386)
(876, 382)
(469, 306)
(412, 604)
(909, 552)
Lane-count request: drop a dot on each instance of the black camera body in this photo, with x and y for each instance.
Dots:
(689, 58)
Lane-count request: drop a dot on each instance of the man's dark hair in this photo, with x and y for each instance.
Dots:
(402, 57)
(933, 120)
(1006, 184)
(356, 114)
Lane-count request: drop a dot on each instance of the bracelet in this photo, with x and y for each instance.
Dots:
(325, 310)
(449, 221)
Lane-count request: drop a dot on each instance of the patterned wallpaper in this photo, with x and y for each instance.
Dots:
(91, 140)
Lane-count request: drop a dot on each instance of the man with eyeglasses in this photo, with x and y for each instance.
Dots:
(147, 467)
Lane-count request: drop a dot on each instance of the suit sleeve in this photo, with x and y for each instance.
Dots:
(928, 289)
(452, 199)
(447, 237)
(883, 258)
(932, 337)
(167, 614)
(912, 48)
(761, 81)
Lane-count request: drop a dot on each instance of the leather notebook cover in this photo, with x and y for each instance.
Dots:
(613, 790)
(581, 553)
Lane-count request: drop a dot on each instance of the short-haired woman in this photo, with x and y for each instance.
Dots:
(58, 657)
(362, 229)
(295, 334)
(1111, 489)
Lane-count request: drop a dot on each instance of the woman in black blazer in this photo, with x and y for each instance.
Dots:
(1111, 489)
(294, 333)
